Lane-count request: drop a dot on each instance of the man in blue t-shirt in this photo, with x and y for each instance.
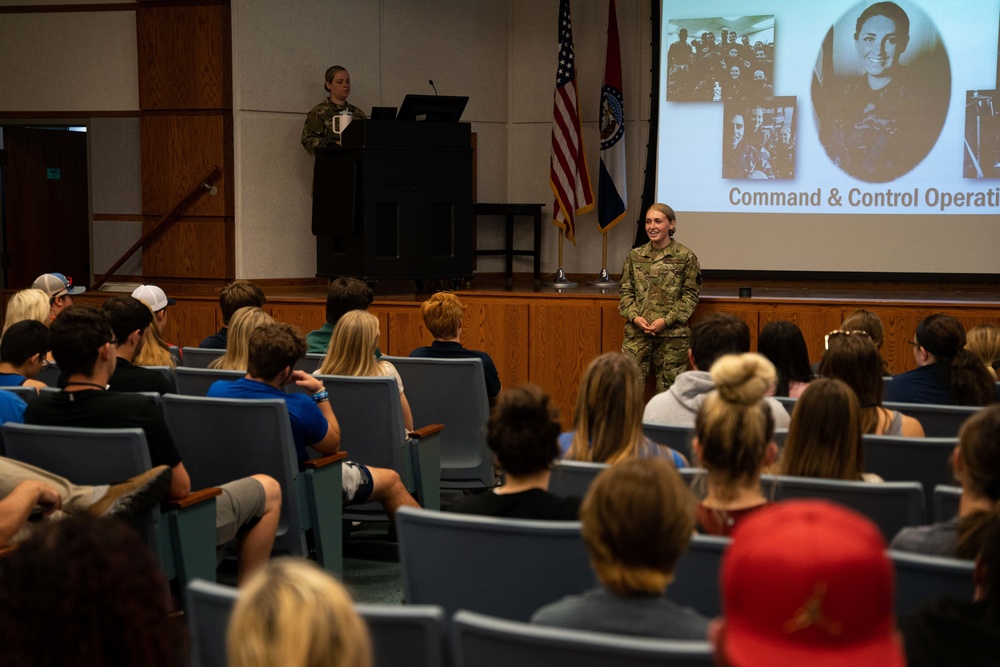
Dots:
(273, 351)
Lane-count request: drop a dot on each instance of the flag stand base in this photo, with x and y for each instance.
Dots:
(604, 280)
(561, 281)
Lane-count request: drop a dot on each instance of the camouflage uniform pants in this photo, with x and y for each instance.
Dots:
(668, 356)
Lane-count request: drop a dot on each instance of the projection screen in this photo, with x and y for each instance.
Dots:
(832, 136)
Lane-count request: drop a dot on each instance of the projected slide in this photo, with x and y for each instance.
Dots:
(833, 107)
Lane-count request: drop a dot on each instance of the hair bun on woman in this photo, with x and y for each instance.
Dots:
(743, 378)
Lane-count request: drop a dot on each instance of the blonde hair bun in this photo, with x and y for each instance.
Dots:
(744, 379)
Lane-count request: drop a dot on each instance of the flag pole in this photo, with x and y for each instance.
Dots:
(604, 279)
(561, 281)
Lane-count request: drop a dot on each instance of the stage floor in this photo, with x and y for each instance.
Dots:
(772, 290)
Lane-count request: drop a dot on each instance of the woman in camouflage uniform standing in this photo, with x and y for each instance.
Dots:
(660, 285)
(319, 131)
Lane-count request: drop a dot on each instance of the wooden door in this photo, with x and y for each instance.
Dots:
(47, 221)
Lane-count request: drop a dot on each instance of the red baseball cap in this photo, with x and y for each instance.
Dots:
(808, 582)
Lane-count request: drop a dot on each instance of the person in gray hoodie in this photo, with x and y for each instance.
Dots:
(712, 336)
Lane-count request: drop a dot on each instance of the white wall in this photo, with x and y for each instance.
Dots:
(500, 54)
(68, 61)
(115, 189)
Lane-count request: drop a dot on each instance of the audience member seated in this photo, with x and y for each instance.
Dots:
(442, 315)
(608, 420)
(853, 358)
(712, 336)
(954, 632)
(84, 346)
(155, 352)
(237, 294)
(976, 462)
(343, 294)
(28, 304)
(637, 520)
(522, 432)
(130, 322)
(352, 352)
(244, 321)
(824, 439)
(86, 591)
(947, 373)
(807, 582)
(784, 346)
(273, 351)
(28, 494)
(11, 408)
(293, 614)
(23, 351)
(868, 322)
(734, 441)
(59, 289)
(983, 340)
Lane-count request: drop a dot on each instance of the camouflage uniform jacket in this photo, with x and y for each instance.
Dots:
(318, 130)
(660, 283)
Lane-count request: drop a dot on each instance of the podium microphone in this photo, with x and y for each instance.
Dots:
(431, 81)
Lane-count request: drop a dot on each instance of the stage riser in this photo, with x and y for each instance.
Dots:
(549, 339)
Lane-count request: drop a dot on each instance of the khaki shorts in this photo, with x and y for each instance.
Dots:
(240, 505)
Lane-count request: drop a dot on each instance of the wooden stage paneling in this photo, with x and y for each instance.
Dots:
(547, 337)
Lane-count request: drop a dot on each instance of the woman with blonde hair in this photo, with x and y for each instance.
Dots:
(824, 439)
(241, 325)
(154, 351)
(853, 358)
(734, 440)
(352, 352)
(608, 420)
(291, 613)
(27, 304)
(983, 340)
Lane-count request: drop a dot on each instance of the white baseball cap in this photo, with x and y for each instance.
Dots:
(153, 296)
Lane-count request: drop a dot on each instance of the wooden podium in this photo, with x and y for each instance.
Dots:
(395, 201)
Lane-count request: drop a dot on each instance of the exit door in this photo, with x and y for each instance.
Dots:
(46, 211)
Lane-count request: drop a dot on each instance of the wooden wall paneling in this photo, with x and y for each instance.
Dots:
(744, 309)
(814, 321)
(187, 249)
(499, 327)
(176, 152)
(385, 332)
(612, 328)
(406, 331)
(307, 316)
(184, 56)
(561, 348)
(190, 321)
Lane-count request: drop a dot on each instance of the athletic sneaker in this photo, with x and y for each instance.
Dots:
(136, 495)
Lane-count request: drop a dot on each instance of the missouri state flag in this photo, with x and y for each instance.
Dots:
(612, 197)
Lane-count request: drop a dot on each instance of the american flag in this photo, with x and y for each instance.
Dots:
(568, 174)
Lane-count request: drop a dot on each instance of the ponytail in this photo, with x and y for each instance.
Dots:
(971, 384)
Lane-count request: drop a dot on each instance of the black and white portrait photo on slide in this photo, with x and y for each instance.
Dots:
(880, 90)
(759, 139)
(720, 58)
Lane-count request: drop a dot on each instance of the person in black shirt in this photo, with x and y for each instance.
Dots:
(522, 433)
(130, 321)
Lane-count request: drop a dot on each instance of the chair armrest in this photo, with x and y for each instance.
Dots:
(7, 550)
(426, 431)
(323, 461)
(193, 498)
